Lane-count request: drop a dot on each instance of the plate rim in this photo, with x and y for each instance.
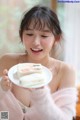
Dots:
(17, 83)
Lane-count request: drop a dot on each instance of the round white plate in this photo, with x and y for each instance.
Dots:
(14, 78)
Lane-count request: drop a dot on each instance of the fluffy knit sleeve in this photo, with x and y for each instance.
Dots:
(9, 104)
(59, 106)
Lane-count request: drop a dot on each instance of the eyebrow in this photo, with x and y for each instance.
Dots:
(42, 30)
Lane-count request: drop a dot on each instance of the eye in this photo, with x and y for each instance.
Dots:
(29, 34)
(44, 36)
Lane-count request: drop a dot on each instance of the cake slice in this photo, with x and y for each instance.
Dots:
(30, 74)
(28, 68)
(34, 80)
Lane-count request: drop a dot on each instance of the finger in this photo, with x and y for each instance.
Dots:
(5, 72)
(29, 89)
(33, 89)
(10, 84)
(5, 78)
(40, 87)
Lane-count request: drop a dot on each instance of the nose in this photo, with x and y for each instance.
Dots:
(36, 40)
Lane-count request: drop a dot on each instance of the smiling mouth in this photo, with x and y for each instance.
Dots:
(36, 50)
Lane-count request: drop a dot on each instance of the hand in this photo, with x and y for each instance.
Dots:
(32, 89)
(5, 82)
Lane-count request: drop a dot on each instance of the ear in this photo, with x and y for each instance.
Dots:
(57, 38)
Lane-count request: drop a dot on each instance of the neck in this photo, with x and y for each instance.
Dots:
(46, 61)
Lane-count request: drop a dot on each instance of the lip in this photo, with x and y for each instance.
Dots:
(36, 51)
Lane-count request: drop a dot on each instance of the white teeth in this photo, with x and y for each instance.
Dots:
(36, 49)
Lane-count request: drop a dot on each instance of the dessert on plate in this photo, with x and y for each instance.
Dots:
(30, 74)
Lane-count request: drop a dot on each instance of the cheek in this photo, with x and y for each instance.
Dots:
(48, 43)
(25, 41)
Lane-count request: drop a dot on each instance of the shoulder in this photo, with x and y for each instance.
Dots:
(67, 68)
(9, 57)
(68, 75)
(8, 60)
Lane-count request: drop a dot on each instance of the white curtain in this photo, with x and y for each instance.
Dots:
(72, 36)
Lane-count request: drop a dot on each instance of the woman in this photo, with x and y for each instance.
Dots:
(39, 32)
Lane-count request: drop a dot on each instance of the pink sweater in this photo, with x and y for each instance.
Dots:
(46, 106)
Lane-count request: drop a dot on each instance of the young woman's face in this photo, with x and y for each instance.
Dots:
(38, 43)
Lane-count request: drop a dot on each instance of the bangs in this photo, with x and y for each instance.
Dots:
(38, 23)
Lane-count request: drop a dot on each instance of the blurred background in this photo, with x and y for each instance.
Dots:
(11, 12)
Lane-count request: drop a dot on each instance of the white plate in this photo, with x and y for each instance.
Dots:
(14, 78)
